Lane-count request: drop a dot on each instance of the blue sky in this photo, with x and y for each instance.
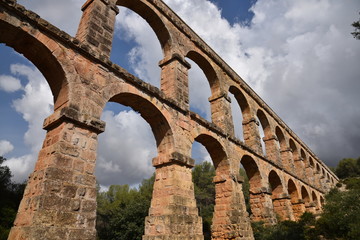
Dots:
(298, 56)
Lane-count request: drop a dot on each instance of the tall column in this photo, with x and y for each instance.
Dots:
(173, 213)
(221, 112)
(252, 135)
(283, 207)
(287, 159)
(272, 149)
(261, 206)
(97, 25)
(298, 208)
(300, 167)
(59, 201)
(230, 219)
(174, 79)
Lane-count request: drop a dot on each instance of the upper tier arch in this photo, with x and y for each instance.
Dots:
(152, 18)
(41, 54)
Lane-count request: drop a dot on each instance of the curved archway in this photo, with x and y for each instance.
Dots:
(253, 196)
(297, 206)
(41, 56)
(315, 201)
(265, 129)
(283, 148)
(198, 75)
(305, 197)
(153, 19)
(215, 149)
(158, 123)
(207, 69)
(239, 102)
(277, 195)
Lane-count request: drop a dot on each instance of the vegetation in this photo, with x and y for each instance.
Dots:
(122, 210)
(203, 175)
(356, 33)
(11, 194)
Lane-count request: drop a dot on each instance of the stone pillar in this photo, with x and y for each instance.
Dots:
(300, 167)
(221, 113)
(59, 201)
(283, 207)
(230, 219)
(97, 25)
(252, 135)
(287, 159)
(272, 149)
(298, 208)
(173, 213)
(309, 174)
(262, 207)
(310, 207)
(174, 79)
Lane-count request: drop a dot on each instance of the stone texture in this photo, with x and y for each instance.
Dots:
(59, 201)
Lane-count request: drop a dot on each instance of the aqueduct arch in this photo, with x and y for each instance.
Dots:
(60, 198)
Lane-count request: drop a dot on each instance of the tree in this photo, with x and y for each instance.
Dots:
(122, 210)
(300, 230)
(356, 33)
(203, 175)
(341, 215)
(348, 167)
(10, 197)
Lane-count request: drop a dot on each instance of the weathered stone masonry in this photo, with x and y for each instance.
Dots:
(60, 199)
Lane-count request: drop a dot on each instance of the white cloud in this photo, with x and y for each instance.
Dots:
(34, 105)
(64, 14)
(298, 55)
(9, 83)
(125, 150)
(5, 147)
(21, 167)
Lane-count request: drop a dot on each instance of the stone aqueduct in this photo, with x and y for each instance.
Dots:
(60, 199)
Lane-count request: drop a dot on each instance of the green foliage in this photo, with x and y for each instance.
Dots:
(348, 167)
(356, 33)
(246, 190)
(121, 211)
(10, 197)
(341, 214)
(300, 230)
(203, 175)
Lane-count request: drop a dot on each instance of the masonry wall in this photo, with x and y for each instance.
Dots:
(60, 201)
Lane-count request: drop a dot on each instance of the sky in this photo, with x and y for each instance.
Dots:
(299, 56)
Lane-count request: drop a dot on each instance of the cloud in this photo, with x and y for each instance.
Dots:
(125, 150)
(64, 14)
(5, 147)
(9, 83)
(298, 55)
(35, 104)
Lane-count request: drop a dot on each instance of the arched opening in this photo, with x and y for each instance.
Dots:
(32, 84)
(295, 203)
(322, 201)
(238, 100)
(39, 55)
(315, 201)
(136, 132)
(198, 100)
(282, 148)
(140, 41)
(201, 76)
(265, 132)
(277, 192)
(251, 192)
(294, 150)
(209, 152)
(306, 198)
